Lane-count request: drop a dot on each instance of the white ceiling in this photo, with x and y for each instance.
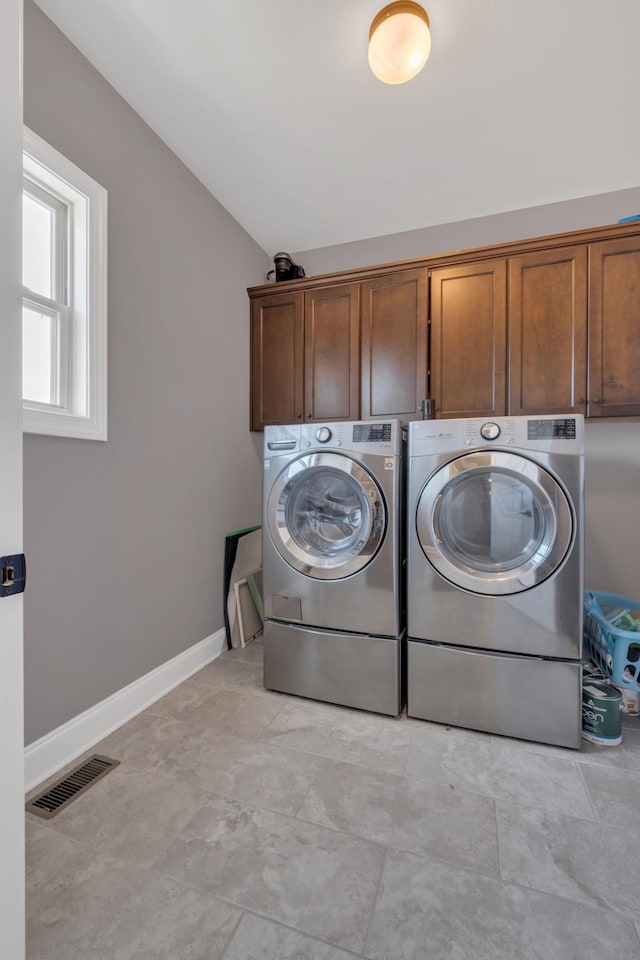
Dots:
(272, 105)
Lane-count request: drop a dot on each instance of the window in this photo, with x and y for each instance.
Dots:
(64, 305)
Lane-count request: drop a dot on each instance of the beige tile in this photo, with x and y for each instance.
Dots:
(42, 841)
(260, 939)
(341, 734)
(317, 880)
(251, 653)
(85, 905)
(234, 674)
(499, 770)
(424, 818)
(131, 814)
(431, 911)
(262, 757)
(624, 756)
(188, 695)
(615, 793)
(185, 749)
(262, 774)
(590, 862)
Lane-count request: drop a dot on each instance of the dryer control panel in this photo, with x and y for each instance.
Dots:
(545, 433)
(489, 432)
(561, 429)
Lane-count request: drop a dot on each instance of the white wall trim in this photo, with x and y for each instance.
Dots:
(50, 753)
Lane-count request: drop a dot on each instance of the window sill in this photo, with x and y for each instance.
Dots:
(55, 424)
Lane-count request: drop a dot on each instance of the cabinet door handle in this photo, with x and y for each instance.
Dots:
(579, 401)
(596, 400)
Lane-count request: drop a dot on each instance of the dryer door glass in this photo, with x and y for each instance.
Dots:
(326, 516)
(494, 523)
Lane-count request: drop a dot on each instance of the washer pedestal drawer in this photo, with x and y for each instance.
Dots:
(524, 697)
(350, 669)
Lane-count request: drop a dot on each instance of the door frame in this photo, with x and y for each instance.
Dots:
(12, 872)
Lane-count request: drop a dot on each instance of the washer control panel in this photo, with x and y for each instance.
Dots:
(371, 432)
(362, 437)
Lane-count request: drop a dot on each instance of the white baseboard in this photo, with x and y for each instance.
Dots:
(50, 753)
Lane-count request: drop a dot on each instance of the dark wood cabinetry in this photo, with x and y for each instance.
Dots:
(547, 362)
(468, 339)
(331, 353)
(543, 326)
(394, 345)
(614, 328)
(305, 356)
(277, 332)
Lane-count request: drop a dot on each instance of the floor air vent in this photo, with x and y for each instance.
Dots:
(60, 795)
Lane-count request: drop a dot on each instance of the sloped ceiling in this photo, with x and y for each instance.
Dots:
(272, 105)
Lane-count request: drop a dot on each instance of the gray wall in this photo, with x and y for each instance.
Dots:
(612, 462)
(596, 211)
(124, 539)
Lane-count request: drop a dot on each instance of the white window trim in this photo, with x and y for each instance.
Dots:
(92, 423)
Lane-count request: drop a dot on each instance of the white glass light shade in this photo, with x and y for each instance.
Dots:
(399, 42)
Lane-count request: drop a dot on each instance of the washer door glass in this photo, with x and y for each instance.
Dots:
(326, 516)
(494, 523)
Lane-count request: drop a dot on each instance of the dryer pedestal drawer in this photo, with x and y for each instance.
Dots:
(514, 696)
(353, 670)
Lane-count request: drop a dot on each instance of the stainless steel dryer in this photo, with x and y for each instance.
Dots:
(332, 562)
(495, 575)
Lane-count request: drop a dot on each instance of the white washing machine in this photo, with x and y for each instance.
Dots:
(495, 575)
(333, 563)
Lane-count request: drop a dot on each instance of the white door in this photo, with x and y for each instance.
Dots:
(11, 698)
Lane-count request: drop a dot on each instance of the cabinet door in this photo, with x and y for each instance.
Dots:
(548, 332)
(331, 353)
(468, 339)
(614, 321)
(277, 330)
(393, 317)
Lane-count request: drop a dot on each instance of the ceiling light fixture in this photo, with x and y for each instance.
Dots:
(399, 42)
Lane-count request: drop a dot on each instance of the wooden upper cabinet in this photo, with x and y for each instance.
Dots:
(393, 316)
(331, 353)
(541, 326)
(277, 331)
(468, 339)
(548, 332)
(614, 328)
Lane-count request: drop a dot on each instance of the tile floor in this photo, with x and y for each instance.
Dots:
(247, 825)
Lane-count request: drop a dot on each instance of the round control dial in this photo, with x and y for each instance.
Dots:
(323, 435)
(490, 431)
